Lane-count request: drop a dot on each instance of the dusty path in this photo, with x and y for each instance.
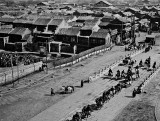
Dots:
(88, 93)
(32, 98)
(115, 106)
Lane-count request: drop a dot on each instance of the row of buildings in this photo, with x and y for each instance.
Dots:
(74, 32)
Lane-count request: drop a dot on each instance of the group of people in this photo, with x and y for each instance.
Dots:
(147, 63)
(108, 94)
(99, 101)
(8, 60)
(128, 61)
(122, 74)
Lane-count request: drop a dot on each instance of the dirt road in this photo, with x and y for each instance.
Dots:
(31, 96)
(88, 93)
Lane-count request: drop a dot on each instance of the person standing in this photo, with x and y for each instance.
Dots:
(137, 73)
(52, 91)
(81, 83)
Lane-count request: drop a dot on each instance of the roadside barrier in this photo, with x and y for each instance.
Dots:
(79, 57)
(106, 69)
(18, 72)
(147, 80)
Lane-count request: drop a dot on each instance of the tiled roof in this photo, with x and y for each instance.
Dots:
(42, 21)
(5, 30)
(85, 11)
(20, 21)
(100, 34)
(103, 23)
(103, 30)
(106, 2)
(7, 26)
(75, 24)
(87, 28)
(73, 31)
(85, 18)
(18, 31)
(7, 19)
(55, 22)
(120, 19)
(26, 37)
(91, 22)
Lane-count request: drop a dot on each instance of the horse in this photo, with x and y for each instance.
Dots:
(148, 48)
(110, 74)
(99, 102)
(117, 88)
(86, 111)
(118, 75)
(77, 117)
(132, 62)
(67, 89)
(141, 63)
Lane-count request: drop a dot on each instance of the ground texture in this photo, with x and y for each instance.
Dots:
(31, 96)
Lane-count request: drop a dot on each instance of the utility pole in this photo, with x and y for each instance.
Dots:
(17, 69)
(122, 33)
(46, 58)
(133, 29)
(12, 68)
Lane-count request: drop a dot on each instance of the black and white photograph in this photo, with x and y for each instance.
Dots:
(79, 60)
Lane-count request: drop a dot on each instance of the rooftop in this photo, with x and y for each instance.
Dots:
(55, 22)
(18, 31)
(5, 30)
(42, 21)
(73, 31)
(101, 33)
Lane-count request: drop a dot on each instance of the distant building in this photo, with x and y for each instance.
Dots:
(102, 3)
(142, 2)
(146, 1)
(43, 4)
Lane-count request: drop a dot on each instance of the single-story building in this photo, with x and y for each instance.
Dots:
(101, 37)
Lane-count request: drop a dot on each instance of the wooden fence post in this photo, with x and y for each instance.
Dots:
(5, 78)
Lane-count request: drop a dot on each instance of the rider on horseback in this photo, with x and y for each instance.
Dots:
(154, 65)
(149, 59)
(110, 73)
(129, 73)
(123, 74)
(137, 73)
(118, 73)
(141, 63)
(128, 57)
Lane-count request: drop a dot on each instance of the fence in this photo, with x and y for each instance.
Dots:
(18, 72)
(76, 58)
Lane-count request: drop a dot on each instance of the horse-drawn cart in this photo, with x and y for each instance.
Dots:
(148, 48)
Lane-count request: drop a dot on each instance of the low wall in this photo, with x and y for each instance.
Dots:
(20, 71)
(16, 73)
(76, 58)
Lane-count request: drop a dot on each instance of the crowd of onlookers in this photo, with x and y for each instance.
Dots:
(8, 60)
